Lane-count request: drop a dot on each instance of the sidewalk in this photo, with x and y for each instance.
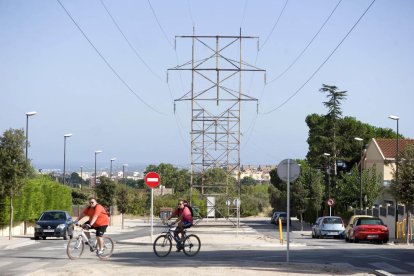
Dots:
(215, 235)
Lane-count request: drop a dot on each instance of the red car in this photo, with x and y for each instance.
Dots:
(369, 228)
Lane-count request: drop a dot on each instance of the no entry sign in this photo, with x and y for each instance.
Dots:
(152, 179)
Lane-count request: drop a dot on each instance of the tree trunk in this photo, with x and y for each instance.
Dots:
(301, 221)
(407, 226)
(11, 219)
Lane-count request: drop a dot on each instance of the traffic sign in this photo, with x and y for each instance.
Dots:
(330, 201)
(282, 170)
(152, 179)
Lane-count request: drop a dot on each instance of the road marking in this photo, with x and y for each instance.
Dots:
(33, 266)
(345, 265)
(388, 268)
(385, 273)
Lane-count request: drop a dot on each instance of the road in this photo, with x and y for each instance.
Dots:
(51, 253)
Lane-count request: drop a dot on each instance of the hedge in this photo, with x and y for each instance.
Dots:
(39, 194)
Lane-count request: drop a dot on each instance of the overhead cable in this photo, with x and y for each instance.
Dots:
(159, 24)
(128, 42)
(274, 26)
(307, 46)
(322, 64)
(108, 64)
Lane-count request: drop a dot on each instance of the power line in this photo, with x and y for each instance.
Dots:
(322, 64)
(159, 24)
(274, 26)
(107, 63)
(190, 12)
(244, 13)
(307, 46)
(128, 42)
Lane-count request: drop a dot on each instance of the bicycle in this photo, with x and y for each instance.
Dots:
(76, 245)
(162, 245)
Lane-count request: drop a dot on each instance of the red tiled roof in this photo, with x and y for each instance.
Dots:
(389, 146)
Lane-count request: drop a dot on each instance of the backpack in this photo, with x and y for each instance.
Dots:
(191, 210)
(107, 210)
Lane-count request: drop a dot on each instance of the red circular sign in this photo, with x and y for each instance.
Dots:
(330, 201)
(152, 179)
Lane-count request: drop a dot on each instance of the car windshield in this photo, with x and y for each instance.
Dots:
(53, 216)
(283, 215)
(369, 221)
(332, 221)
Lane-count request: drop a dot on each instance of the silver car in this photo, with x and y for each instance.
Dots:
(329, 226)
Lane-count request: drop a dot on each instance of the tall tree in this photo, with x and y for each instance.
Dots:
(403, 189)
(14, 167)
(171, 177)
(106, 192)
(333, 104)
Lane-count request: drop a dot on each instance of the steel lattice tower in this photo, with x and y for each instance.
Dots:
(216, 94)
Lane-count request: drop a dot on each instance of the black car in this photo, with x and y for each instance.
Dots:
(54, 223)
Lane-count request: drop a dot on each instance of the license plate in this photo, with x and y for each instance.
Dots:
(49, 230)
(372, 236)
(332, 233)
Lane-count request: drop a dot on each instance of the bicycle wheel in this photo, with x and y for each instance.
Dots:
(162, 246)
(108, 248)
(192, 245)
(75, 248)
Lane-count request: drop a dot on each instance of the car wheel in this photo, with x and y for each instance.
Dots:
(346, 239)
(356, 240)
(313, 235)
(36, 237)
(65, 235)
(44, 238)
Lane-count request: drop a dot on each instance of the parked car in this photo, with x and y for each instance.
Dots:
(328, 226)
(371, 229)
(351, 223)
(283, 218)
(54, 223)
(274, 216)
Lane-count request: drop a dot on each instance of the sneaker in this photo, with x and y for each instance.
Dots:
(100, 252)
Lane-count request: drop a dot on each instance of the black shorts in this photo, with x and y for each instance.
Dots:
(100, 230)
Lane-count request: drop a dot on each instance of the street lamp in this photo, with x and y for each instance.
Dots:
(81, 167)
(96, 153)
(329, 180)
(64, 156)
(123, 172)
(360, 173)
(110, 170)
(397, 158)
(329, 173)
(28, 114)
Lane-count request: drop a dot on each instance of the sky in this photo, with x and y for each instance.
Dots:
(98, 69)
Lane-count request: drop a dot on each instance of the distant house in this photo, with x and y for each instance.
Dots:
(381, 153)
(258, 173)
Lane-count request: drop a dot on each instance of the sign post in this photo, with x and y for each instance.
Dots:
(288, 170)
(330, 203)
(152, 179)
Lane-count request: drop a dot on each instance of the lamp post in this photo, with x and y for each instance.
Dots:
(397, 159)
(81, 167)
(96, 153)
(64, 156)
(329, 179)
(28, 114)
(110, 170)
(360, 173)
(123, 172)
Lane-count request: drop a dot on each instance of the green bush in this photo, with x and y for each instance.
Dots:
(39, 194)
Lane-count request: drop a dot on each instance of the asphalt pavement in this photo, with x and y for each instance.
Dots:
(214, 235)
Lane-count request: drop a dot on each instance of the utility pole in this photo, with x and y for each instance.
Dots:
(215, 95)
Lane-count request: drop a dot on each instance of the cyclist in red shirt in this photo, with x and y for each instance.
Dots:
(98, 220)
(185, 220)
